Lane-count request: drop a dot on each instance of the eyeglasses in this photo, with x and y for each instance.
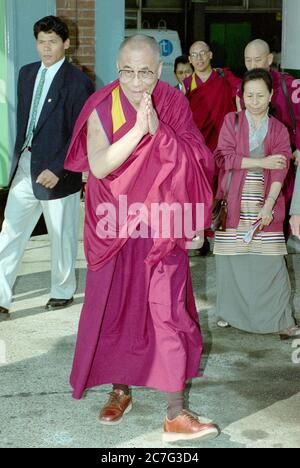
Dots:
(201, 54)
(143, 75)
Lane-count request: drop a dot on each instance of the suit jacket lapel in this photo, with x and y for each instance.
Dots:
(54, 95)
(27, 95)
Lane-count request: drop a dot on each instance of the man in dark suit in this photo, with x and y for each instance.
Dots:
(51, 94)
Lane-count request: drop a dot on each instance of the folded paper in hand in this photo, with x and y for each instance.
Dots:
(250, 234)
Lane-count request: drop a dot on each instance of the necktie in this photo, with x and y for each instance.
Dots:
(35, 106)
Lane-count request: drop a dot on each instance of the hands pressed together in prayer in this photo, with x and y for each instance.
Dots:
(147, 120)
(47, 179)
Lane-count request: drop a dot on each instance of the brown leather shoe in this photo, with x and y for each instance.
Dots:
(118, 405)
(289, 334)
(188, 427)
(4, 314)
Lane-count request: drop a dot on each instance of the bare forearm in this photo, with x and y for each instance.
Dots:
(274, 162)
(252, 163)
(104, 161)
(273, 194)
(267, 212)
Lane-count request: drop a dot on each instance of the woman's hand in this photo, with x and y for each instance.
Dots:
(296, 157)
(295, 225)
(266, 216)
(274, 162)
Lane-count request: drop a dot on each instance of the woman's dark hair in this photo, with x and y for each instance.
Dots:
(52, 24)
(258, 74)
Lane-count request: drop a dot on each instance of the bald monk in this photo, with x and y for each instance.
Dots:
(139, 325)
(286, 107)
(211, 93)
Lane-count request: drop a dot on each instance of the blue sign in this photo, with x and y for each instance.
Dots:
(166, 47)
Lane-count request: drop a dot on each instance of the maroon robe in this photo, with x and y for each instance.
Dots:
(139, 324)
(211, 102)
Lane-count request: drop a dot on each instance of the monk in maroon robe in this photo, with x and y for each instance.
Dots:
(211, 92)
(139, 324)
(212, 95)
(285, 103)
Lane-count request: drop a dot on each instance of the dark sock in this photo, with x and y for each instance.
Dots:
(124, 388)
(175, 404)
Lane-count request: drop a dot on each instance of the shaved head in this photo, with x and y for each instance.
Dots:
(200, 44)
(138, 42)
(258, 55)
(259, 44)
